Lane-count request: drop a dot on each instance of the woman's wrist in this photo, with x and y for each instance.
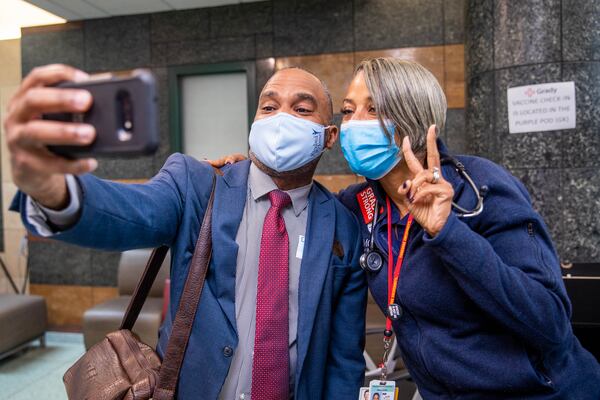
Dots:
(434, 229)
(432, 232)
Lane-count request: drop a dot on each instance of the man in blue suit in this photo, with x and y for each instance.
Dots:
(282, 314)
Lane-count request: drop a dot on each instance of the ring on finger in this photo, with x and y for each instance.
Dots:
(436, 175)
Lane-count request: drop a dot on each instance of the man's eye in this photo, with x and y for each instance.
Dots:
(302, 110)
(268, 108)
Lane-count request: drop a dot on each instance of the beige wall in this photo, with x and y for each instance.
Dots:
(10, 76)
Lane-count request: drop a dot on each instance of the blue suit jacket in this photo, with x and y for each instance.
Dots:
(169, 209)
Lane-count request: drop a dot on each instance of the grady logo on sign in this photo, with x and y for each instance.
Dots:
(529, 92)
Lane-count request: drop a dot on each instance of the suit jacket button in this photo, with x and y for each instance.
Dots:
(227, 351)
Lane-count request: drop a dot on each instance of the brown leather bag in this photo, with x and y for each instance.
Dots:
(121, 366)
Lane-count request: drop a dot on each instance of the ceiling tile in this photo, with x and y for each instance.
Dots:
(183, 4)
(56, 9)
(120, 7)
(86, 10)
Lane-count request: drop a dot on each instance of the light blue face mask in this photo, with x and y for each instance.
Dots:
(367, 148)
(284, 142)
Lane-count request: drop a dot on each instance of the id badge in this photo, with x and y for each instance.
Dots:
(364, 394)
(382, 390)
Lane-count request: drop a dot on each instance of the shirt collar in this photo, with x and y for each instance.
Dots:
(381, 196)
(261, 184)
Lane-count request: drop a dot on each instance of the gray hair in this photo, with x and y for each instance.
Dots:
(407, 94)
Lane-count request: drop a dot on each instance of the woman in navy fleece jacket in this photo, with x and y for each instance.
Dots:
(485, 312)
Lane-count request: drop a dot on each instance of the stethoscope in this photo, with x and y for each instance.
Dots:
(371, 260)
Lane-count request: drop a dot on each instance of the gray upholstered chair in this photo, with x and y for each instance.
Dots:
(106, 317)
(22, 320)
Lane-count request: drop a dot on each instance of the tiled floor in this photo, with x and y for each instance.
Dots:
(37, 372)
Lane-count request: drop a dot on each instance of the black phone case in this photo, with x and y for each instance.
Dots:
(105, 116)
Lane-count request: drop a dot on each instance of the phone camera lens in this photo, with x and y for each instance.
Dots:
(125, 112)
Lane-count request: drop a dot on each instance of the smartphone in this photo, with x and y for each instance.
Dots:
(124, 113)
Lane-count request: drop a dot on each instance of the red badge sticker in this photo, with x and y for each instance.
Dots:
(366, 200)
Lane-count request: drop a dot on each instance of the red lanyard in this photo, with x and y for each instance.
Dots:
(394, 275)
(393, 310)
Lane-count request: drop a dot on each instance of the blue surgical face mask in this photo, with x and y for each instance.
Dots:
(284, 142)
(367, 148)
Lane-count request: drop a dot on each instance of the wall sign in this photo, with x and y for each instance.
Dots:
(544, 107)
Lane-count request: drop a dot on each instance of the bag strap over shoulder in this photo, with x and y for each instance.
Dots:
(143, 287)
(149, 276)
(186, 312)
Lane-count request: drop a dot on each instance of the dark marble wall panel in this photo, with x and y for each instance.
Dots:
(105, 267)
(581, 148)
(480, 118)
(532, 150)
(206, 51)
(125, 167)
(587, 90)
(312, 26)
(264, 45)
(479, 37)
(454, 135)
(542, 41)
(63, 46)
(581, 204)
(545, 188)
(528, 150)
(241, 19)
(164, 149)
(581, 30)
(582, 145)
(454, 21)
(174, 26)
(55, 262)
(117, 43)
(526, 32)
(384, 24)
(264, 70)
(520, 76)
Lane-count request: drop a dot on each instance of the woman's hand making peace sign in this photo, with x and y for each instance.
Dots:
(430, 195)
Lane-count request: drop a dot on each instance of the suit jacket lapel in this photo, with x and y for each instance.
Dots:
(315, 265)
(230, 200)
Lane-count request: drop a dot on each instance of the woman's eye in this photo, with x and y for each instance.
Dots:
(372, 109)
(302, 110)
(346, 111)
(268, 108)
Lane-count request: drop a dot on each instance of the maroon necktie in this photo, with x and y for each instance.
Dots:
(271, 365)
